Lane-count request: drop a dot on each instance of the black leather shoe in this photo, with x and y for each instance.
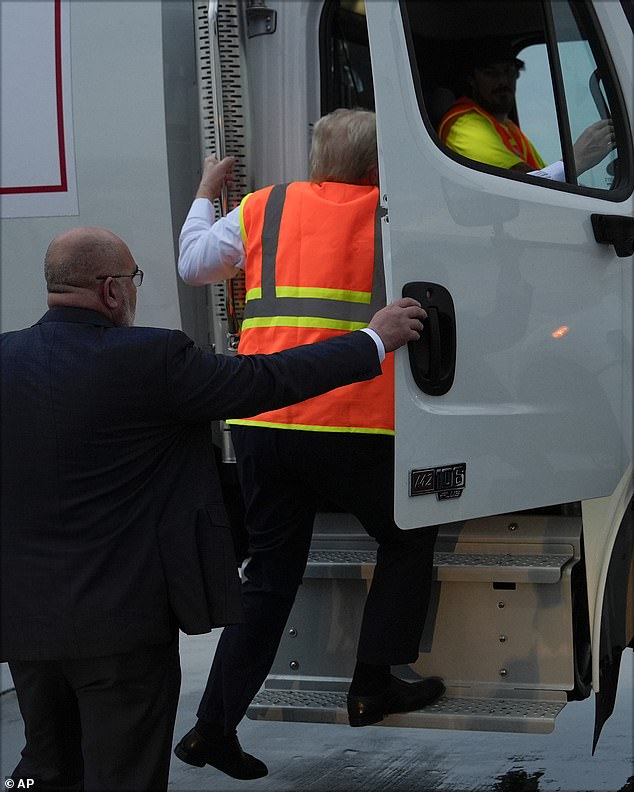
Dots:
(398, 696)
(223, 753)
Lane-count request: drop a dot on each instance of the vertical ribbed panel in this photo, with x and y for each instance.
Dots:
(233, 124)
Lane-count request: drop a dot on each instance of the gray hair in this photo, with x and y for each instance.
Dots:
(344, 146)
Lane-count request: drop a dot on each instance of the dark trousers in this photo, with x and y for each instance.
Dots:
(285, 475)
(102, 723)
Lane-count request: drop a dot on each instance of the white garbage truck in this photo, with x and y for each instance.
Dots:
(513, 413)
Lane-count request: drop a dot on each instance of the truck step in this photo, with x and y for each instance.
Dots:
(501, 567)
(453, 711)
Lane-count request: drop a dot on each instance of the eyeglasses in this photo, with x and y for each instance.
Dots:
(137, 277)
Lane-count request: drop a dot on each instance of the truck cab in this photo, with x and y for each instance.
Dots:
(514, 412)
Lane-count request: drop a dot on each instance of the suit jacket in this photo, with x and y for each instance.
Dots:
(113, 526)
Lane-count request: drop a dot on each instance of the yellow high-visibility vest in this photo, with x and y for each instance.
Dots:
(511, 136)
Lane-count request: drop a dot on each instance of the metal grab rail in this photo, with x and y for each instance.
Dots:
(233, 323)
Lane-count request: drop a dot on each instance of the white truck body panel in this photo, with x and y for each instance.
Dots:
(540, 410)
(119, 149)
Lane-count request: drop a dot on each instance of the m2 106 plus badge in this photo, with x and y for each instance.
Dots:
(446, 482)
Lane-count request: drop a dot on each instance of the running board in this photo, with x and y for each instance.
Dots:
(458, 566)
(454, 710)
(498, 631)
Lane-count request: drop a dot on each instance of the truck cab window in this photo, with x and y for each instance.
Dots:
(535, 102)
(519, 87)
(346, 73)
(584, 88)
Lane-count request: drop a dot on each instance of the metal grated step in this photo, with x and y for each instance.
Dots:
(500, 567)
(453, 711)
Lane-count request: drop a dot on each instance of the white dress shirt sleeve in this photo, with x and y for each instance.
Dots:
(380, 348)
(209, 250)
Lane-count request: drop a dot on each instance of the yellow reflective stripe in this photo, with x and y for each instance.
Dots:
(253, 294)
(302, 321)
(309, 427)
(243, 230)
(343, 295)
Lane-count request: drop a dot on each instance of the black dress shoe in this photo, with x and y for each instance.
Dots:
(398, 696)
(223, 753)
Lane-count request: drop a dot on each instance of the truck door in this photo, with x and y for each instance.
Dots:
(519, 394)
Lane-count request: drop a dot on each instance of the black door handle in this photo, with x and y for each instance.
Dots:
(617, 230)
(432, 358)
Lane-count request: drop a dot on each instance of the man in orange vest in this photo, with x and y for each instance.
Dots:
(313, 270)
(478, 125)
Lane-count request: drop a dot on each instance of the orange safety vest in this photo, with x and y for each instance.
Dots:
(512, 136)
(314, 270)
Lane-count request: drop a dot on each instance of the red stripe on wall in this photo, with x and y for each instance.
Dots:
(63, 184)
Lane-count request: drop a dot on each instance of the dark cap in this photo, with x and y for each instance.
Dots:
(483, 52)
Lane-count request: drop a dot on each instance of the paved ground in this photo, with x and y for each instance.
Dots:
(328, 758)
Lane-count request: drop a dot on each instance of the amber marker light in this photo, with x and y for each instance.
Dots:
(560, 332)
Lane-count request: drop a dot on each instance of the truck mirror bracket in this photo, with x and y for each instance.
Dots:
(261, 21)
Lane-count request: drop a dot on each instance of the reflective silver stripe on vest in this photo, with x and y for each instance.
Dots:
(270, 240)
(270, 305)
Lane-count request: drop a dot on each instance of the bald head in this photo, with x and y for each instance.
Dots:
(78, 266)
(77, 256)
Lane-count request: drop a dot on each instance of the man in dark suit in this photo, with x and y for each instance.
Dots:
(113, 529)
